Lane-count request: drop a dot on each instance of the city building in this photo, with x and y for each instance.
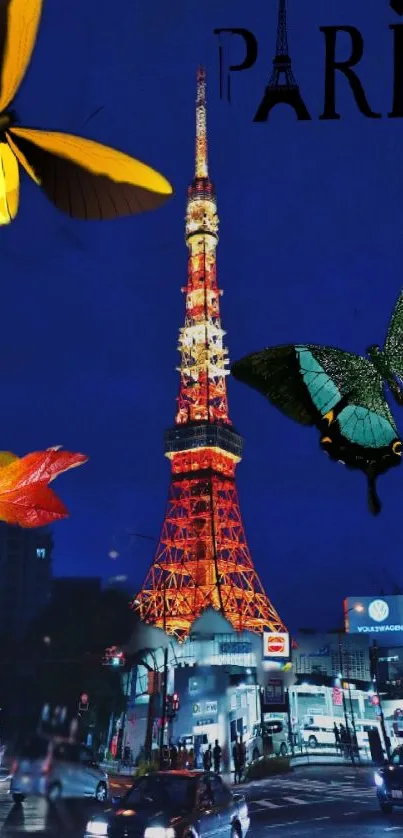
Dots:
(25, 576)
(326, 655)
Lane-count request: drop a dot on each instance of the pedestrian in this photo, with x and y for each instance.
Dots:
(235, 757)
(191, 759)
(185, 757)
(207, 759)
(217, 757)
(354, 743)
(337, 737)
(173, 755)
(343, 740)
(242, 757)
(349, 748)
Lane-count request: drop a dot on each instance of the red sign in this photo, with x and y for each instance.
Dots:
(337, 696)
(276, 643)
(84, 698)
(375, 700)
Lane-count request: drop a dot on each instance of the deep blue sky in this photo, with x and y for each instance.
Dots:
(310, 249)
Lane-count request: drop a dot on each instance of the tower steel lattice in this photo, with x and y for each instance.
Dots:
(202, 558)
(282, 85)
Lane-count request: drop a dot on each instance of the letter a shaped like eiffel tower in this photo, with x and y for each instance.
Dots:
(282, 86)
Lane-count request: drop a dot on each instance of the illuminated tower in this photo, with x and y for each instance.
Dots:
(202, 558)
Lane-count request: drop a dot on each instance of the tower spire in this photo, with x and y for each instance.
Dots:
(202, 558)
(282, 39)
(201, 170)
(282, 85)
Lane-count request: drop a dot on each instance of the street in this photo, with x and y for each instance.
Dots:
(319, 800)
(314, 800)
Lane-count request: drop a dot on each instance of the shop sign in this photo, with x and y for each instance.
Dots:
(337, 696)
(276, 644)
(204, 708)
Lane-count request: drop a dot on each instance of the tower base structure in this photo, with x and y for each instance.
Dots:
(203, 560)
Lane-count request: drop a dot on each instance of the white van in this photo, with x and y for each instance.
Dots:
(275, 730)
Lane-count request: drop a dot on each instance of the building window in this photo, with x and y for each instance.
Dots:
(40, 552)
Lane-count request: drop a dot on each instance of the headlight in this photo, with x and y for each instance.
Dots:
(378, 779)
(159, 832)
(97, 828)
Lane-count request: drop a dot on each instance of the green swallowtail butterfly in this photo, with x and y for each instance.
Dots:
(342, 394)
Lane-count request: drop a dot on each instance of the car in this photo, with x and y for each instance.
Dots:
(56, 768)
(174, 804)
(389, 781)
(271, 736)
(315, 735)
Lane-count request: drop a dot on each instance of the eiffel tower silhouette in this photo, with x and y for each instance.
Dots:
(282, 85)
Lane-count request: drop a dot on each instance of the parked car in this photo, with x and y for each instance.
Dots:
(56, 768)
(196, 803)
(272, 737)
(315, 735)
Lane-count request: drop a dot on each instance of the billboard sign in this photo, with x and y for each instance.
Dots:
(276, 644)
(203, 708)
(373, 615)
(337, 697)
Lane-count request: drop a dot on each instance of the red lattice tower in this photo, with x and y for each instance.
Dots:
(202, 557)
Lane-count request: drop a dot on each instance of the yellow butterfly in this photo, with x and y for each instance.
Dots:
(81, 177)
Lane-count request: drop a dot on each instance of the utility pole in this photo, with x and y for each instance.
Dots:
(165, 684)
(343, 696)
(374, 657)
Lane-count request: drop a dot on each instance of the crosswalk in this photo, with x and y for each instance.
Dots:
(305, 792)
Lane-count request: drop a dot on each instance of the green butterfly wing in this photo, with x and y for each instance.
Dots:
(307, 382)
(394, 338)
(366, 419)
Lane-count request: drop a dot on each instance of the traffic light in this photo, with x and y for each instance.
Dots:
(175, 702)
(83, 704)
(113, 656)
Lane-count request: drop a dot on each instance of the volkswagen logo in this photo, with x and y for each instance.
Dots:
(378, 610)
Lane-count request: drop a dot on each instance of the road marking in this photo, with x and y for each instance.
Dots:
(391, 828)
(269, 805)
(325, 818)
(296, 800)
(349, 813)
(285, 823)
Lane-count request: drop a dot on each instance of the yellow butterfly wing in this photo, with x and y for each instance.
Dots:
(19, 21)
(9, 184)
(86, 179)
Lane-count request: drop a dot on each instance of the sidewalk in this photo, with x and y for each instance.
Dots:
(115, 768)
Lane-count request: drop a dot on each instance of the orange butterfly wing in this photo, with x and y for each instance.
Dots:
(19, 21)
(86, 179)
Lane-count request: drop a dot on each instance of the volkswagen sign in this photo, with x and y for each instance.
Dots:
(378, 610)
(374, 615)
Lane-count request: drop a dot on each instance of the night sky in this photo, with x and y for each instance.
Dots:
(311, 247)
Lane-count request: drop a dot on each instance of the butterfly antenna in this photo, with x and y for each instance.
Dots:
(93, 114)
(374, 503)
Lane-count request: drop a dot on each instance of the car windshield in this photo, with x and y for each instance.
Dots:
(163, 790)
(34, 748)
